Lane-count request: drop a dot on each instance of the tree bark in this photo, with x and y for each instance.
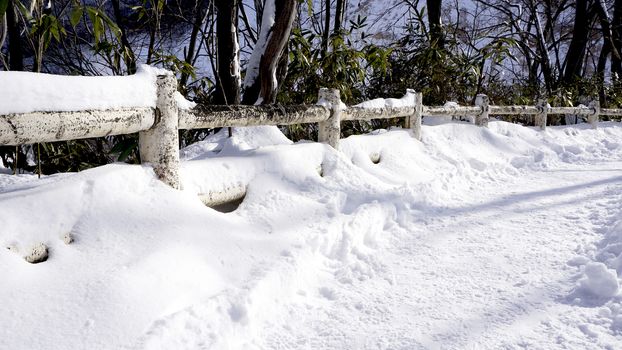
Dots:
(616, 28)
(261, 83)
(3, 30)
(228, 79)
(326, 33)
(259, 6)
(340, 11)
(607, 48)
(544, 52)
(16, 56)
(435, 24)
(576, 50)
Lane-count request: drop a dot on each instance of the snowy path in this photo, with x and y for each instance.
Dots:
(476, 238)
(488, 272)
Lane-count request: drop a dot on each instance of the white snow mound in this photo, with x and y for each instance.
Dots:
(599, 281)
(24, 92)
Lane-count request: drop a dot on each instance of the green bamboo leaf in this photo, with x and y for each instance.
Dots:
(76, 15)
(98, 26)
(24, 11)
(4, 4)
(55, 32)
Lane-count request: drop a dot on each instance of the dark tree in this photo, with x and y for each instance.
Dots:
(340, 11)
(435, 24)
(616, 60)
(326, 33)
(261, 84)
(608, 48)
(228, 74)
(578, 44)
(16, 55)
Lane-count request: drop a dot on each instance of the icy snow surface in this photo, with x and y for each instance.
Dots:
(474, 238)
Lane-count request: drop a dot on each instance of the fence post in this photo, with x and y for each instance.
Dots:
(593, 118)
(330, 130)
(482, 101)
(540, 118)
(415, 119)
(160, 144)
(407, 118)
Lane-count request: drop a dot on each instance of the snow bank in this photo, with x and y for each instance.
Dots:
(242, 139)
(600, 269)
(182, 102)
(24, 92)
(407, 101)
(598, 281)
(151, 267)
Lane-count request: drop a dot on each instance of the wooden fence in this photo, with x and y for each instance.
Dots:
(158, 128)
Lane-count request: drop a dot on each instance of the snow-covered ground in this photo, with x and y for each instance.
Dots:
(474, 238)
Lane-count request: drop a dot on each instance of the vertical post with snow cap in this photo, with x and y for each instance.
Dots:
(482, 118)
(593, 118)
(540, 118)
(160, 144)
(330, 130)
(415, 119)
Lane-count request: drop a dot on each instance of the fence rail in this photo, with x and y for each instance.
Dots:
(158, 127)
(205, 116)
(26, 128)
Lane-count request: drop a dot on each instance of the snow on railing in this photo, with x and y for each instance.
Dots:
(158, 125)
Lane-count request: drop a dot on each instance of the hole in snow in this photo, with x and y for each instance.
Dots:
(237, 312)
(375, 157)
(225, 201)
(228, 207)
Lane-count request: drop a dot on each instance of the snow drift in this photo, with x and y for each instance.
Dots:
(151, 267)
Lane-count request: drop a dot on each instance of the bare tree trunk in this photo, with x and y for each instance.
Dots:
(434, 22)
(544, 52)
(3, 30)
(259, 6)
(16, 56)
(228, 79)
(616, 28)
(340, 11)
(607, 48)
(326, 33)
(576, 50)
(261, 83)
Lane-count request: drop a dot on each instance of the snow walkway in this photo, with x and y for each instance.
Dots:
(489, 272)
(476, 238)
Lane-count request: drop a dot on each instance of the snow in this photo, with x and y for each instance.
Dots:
(24, 92)
(599, 281)
(182, 102)
(483, 238)
(327, 104)
(267, 21)
(407, 101)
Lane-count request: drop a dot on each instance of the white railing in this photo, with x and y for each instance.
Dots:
(158, 127)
